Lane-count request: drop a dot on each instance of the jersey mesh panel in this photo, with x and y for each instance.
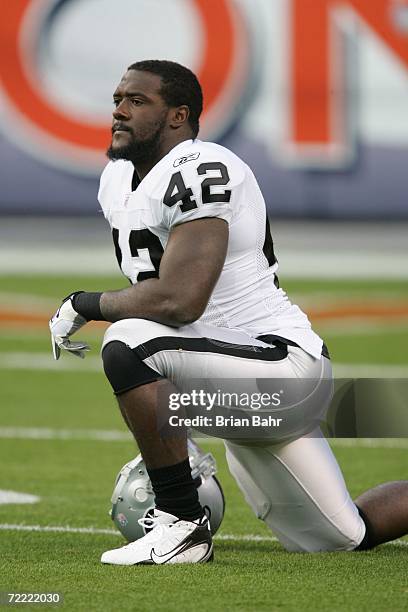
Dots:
(213, 316)
(273, 302)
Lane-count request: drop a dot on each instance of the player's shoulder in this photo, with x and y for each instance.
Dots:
(193, 159)
(195, 152)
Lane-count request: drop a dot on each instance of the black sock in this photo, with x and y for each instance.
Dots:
(175, 491)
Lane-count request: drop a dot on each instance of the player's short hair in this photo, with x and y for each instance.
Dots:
(179, 86)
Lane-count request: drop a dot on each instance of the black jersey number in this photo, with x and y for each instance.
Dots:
(223, 179)
(177, 191)
(141, 239)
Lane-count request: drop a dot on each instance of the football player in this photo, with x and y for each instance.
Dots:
(191, 233)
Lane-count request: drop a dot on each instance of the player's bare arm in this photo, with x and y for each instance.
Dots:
(189, 269)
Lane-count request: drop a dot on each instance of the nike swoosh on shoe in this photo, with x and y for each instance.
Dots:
(184, 547)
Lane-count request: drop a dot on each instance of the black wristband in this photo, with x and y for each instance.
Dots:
(87, 305)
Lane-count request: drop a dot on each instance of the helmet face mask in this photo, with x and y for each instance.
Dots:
(133, 497)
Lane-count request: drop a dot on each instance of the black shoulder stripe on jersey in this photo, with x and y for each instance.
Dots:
(209, 345)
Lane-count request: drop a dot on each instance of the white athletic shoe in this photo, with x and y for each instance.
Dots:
(171, 540)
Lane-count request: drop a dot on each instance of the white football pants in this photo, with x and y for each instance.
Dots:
(294, 485)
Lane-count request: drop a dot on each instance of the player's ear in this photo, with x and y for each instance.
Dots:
(179, 116)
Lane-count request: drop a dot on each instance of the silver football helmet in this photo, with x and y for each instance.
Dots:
(133, 496)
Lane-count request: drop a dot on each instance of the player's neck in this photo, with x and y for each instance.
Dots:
(143, 168)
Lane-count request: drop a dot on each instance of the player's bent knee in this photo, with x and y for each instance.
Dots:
(124, 369)
(134, 332)
(320, 538)
(290, 500)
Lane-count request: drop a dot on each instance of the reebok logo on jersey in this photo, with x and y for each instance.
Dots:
(186, 158)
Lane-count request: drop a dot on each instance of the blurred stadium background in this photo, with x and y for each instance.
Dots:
(314, 97)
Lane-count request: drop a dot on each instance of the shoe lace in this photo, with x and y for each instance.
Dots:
(153, 524)
(149, 522)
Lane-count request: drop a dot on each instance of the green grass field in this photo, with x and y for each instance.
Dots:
(72, 470)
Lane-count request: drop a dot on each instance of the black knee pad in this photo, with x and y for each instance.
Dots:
(368, 540)
(124, 369)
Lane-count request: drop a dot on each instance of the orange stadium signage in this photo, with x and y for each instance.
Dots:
(319, 130)
(319, 79)
(55, 132)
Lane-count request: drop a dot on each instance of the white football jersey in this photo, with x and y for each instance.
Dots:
(196, 180)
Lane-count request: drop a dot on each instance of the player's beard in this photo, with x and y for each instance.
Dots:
(139, 151)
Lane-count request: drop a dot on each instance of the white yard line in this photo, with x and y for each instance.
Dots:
(245, 538)
(57, 261)
(100, 261)
(359, 326)
(83, 246)
(95, 531)
(107, 435)
(15, 497)
(370, 442)
(45, 433)
(27, 301)
(93, 363)
(342, 264)
(57, 529)
(45, 361)
(369, 370)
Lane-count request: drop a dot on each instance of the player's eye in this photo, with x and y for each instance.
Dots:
(137, 101)
(116, 101)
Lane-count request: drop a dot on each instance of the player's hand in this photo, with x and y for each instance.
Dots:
(63, 324)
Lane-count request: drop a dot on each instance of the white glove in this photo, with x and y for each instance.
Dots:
(63, 324)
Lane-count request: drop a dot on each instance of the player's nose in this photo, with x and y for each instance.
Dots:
(121, 111)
